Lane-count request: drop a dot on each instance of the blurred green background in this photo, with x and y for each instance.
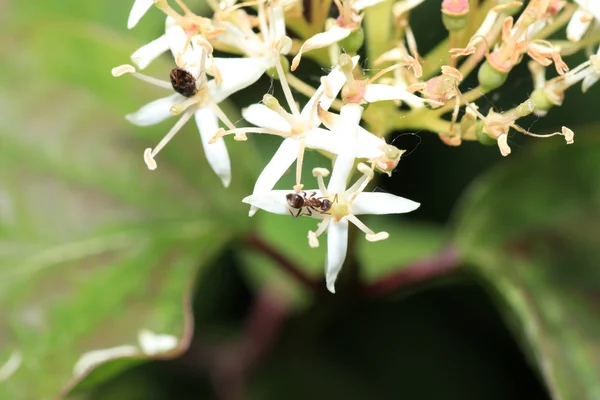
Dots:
(94, 247)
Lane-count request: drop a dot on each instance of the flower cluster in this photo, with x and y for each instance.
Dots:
(405, 91)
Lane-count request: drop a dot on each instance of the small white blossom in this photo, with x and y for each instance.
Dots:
(345, 206)
(11, 365)
(203, 105)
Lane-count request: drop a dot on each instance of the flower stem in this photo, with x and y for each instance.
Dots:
(259, 244)
(418, 271)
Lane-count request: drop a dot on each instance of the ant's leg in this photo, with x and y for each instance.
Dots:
(308, 209)
(299, 212)
(335, 198)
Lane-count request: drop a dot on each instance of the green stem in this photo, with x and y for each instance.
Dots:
(378, 30)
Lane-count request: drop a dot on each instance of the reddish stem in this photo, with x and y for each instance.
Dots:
(415, 272)
(260, 245)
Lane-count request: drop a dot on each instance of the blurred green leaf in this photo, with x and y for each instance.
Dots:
(93, 246)
(532, 227)
(407, 242)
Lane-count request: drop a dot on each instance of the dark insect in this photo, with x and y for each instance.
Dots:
(183, 82)
(311, 203)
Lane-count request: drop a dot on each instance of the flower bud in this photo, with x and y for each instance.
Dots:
(455, 14)
(354, 41)
(483, 137)
(489, 77)
(389, 160)
(540, 100)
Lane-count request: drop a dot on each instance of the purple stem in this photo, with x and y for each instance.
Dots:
(418, 271)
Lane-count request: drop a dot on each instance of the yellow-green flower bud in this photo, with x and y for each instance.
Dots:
(490, 78)
(540, 100)
(483, 137)
(354, 41)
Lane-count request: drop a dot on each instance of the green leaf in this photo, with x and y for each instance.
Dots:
(407, 242)
(93, 246)
(531, 227)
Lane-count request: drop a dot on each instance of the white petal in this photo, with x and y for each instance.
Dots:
(576, 27)
(593, 6)
(149, 52)
(140, 7)
(322, 139)
(272, 201)
(262, 116)
(155, 111)
(344, 163)
(337, 245)
(216, 153)
(589, 81)
(11, 365)
(95, 357)
(283, 158)
(362, 4)
(320, 40)
(369, 145)
(186, 55)
(237, 73)
(335, 81)
(278, 21)
(152, 343)
(381, 203)
(378, 92)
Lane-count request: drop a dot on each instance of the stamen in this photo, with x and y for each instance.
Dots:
(130, 70)
(347, 68)
(371, 236)
(376, 237)
(222, 116)
(362, 182)
(299, 163)
(149, 154)
(382, 72)
(240, 133)
(566, 132)
(319, 173)
(286, 87)
(503, 145)
(177, 109)
(271, 102)
(313, 236)
(264, 30)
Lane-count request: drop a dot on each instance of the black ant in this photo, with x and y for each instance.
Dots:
(310, 202)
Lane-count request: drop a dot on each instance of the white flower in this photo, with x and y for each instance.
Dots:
(591, 6)
(203, 105)
(579, 24)
(139, 8)
(345, 205)
(588, 73)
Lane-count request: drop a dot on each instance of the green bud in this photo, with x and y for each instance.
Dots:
(354, 41)
(483, 137)
(285, 64)
(490, 78)
(454, 22)
(540, 100)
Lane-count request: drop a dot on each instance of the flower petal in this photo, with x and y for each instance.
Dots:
(379, 92)
(344, 163)
(592, 6)
(216, 153)
(369, 145)
(272, 201)
(143, 56)
(283, 158)
(381, 203)
(156, 111)
(335, 80)
(186, 55)
(262, 116)
(337, 245)
(320, 40)
(139, 8)
(237, 73)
